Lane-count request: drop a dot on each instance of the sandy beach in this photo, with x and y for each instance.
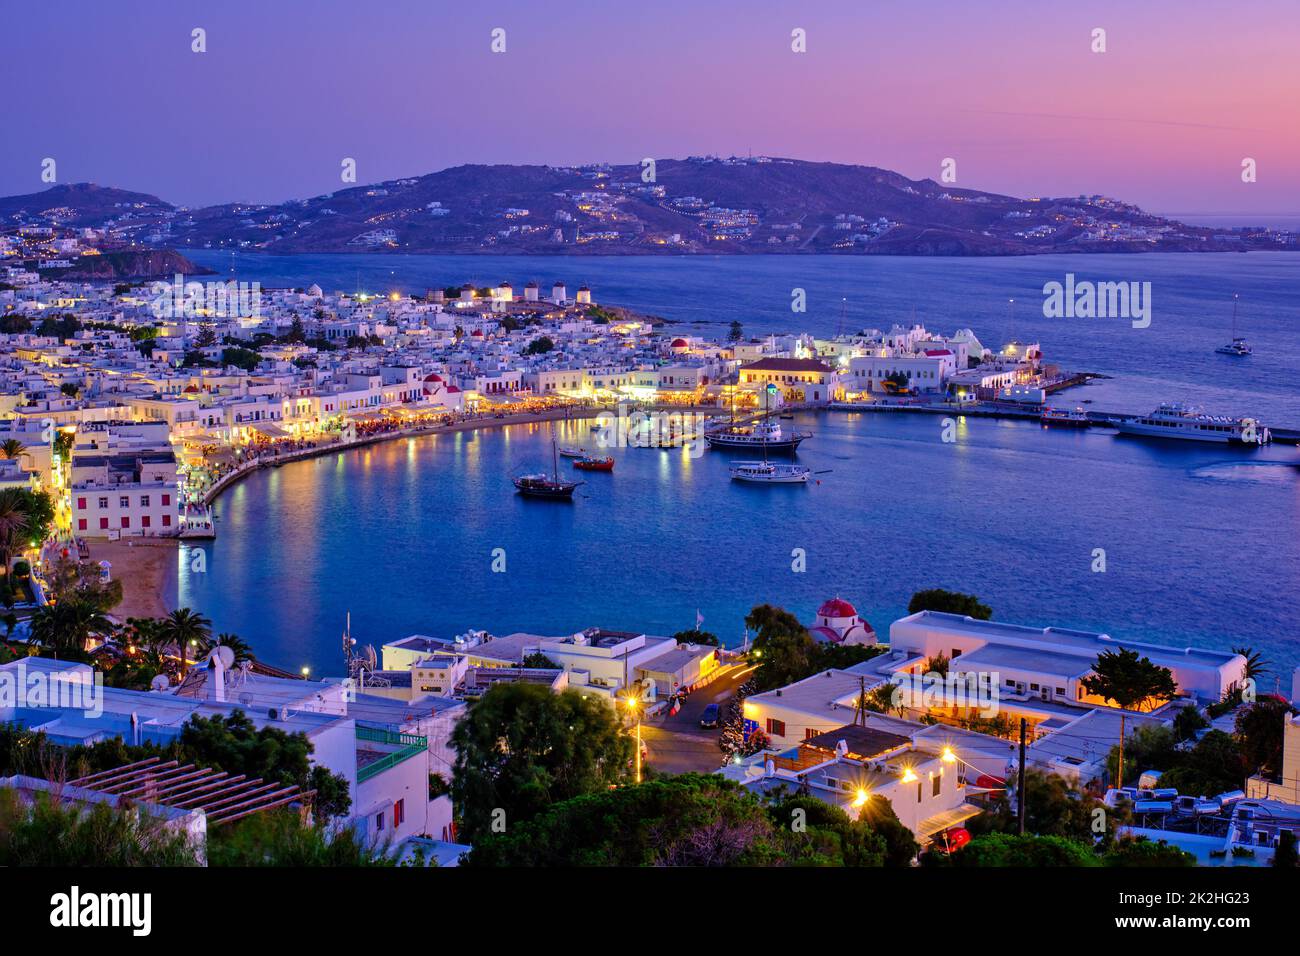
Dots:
(143, 566)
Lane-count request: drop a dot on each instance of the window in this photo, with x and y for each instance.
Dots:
(103, 524)
(399, 813)
(124, 501)
(936, 784)
(775, 728)
(144, 521)
(809, 733)
(379, 820)
(167, 521)
(81, 524)
(103, 502)
(144, 501)
(126, 521)
(1060, 692)
(918, 791)
(81, 504)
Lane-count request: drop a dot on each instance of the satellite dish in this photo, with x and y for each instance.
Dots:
(160, 682)
(225, 655)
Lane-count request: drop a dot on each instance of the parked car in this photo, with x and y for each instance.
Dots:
(710, 717)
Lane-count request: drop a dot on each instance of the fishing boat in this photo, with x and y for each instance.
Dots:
(1065, 418)
(1189, 423)
(769, 473)
(1238, 346)
(594, 464)
(542, 485)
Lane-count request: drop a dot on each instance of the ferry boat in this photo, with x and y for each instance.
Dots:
(1238, 346)
(594, 464)
(1065, 418)
(769, 473)
(1189, 423)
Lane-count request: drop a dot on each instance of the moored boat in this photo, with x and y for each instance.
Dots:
(573, 453)
(1065, 418)
(1188, 423)
(544, 486)
(594, 464)
(769, 473)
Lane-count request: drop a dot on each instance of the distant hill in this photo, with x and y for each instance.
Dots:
(695, 205)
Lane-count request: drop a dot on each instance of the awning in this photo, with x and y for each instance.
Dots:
(269, 429)
(947, 819)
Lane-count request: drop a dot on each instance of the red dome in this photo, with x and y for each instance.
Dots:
(837, 608)
(433, 377)
(681, 344)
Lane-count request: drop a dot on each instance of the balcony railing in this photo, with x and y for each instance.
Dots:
(409, 746)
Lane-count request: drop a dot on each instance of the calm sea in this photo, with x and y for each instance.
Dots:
(1201, 545)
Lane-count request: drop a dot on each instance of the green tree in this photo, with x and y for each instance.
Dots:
(1052, 808)
(697, 637)
(1008, 849)
(12, 448)
(1130, 681)
(64, 628)
(783, 647)
(1260, 727)
(185, 630)
(539, 345)
(1214, 765)
(736, 332)
(242, 650)
(1256, 665)
(246, 359)
(1143, 852)
(47, 832)
(950, 602)
(689, 820)
(279, 838)
(521, 747)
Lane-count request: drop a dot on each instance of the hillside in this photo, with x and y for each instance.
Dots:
(696, 205)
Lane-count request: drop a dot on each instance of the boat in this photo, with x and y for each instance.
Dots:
(1065, 418)
(765, 434)
(573, 453)
(1189, 423)
(1238, 346)
(769, 473)
(594, 464)
(542, 485)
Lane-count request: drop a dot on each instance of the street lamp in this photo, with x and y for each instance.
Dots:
(632, 706)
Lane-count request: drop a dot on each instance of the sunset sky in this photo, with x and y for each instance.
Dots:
(1010, 89)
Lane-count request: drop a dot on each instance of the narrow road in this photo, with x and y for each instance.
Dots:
(679, 744)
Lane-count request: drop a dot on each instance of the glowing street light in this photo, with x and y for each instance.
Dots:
(947, 756)
(908, 775)
(632, 706)
(861, 797)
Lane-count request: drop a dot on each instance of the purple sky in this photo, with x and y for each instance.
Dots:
(1010, 89)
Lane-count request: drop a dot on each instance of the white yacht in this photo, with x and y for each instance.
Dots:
(1189, 423)
(1238, 346)
(769, 473)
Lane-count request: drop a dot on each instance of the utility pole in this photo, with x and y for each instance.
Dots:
(1020, 781)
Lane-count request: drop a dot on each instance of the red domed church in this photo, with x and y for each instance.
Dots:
(838, 623)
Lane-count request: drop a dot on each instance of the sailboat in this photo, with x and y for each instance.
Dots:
(766, 472)
(765, 433)
(542, 485)
(1238, 346)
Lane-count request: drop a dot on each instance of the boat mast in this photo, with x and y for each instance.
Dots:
(1234, 316)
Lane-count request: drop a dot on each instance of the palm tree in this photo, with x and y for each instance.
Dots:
(241, 648)
(11, 448)
(13, 523)
(1255, 663)
(1130, 681)
(183, 627)
(64, 628)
